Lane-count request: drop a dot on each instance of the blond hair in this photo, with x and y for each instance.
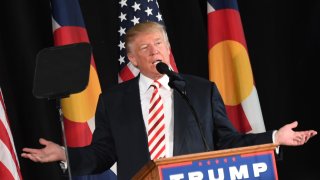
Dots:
(144, 27)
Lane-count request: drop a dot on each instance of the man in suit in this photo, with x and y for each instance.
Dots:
(121, 133)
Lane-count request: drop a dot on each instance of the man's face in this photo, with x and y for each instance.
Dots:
(146, 49)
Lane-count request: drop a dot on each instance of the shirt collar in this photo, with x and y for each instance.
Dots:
(145, 82)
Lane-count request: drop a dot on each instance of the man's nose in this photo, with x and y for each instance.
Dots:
(154, 49)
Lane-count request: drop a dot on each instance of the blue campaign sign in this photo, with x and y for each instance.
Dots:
(248, 166)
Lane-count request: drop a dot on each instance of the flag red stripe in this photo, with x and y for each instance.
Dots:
(126, 74)
(238, 118)
(173, 63)
(74, 130)
(69, 35)
(225, 25)
(5, 174)
(4, 136)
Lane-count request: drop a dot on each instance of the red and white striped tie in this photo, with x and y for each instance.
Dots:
(156, 125)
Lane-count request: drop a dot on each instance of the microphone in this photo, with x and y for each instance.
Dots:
(175, 80)
(163, 68)
(177, 83)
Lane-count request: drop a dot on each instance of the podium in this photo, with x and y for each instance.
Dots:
(251, 162)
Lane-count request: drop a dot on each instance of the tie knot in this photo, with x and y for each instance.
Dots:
(156, 84)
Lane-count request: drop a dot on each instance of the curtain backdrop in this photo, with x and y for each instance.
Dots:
(283, 41)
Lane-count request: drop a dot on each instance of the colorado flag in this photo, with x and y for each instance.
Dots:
(229, 66)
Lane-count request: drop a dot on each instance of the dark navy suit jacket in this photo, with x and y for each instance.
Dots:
(120, 134)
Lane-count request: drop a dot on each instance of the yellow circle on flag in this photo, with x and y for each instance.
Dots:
(81, 107)
(230, 69)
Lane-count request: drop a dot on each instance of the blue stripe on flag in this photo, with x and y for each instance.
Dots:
(67, 13)
(223, 4)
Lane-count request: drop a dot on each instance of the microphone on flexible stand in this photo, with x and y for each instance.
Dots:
(177, 83)
(175, 80)
(163, 68)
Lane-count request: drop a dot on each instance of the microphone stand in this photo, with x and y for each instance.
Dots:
(179, 86)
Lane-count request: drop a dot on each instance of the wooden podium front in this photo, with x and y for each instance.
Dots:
(252, 162)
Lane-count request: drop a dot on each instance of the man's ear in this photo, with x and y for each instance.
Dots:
(132, 59)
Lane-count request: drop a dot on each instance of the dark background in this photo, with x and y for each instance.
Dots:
(283, 43)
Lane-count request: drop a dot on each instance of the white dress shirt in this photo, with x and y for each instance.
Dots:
(166, 94)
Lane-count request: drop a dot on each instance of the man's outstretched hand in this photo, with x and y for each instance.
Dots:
(50, 153)
(286, 136)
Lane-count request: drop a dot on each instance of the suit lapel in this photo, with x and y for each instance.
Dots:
(134, 119)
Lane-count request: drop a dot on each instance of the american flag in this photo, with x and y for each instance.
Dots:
(133, 12)
(9, 165)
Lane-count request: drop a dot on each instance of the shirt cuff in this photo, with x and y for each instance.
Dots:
(274, 139)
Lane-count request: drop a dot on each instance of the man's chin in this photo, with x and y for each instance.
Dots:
(157, 76)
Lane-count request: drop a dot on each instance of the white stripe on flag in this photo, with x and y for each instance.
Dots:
(114, 168)
(4, 120)
(135, 71)
(5, 158)
(55, 25)
(209, 8)
(251, 107)
(91, 124)
(5, 155)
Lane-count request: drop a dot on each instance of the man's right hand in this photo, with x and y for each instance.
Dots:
(50, 153)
